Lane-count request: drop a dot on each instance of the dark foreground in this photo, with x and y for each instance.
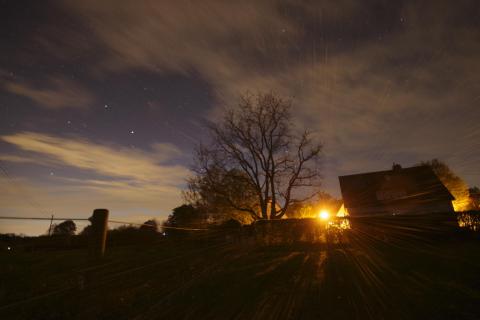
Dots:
(364, 277)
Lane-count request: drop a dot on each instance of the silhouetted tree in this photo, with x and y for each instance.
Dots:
(149, 226)
(184, 216)
(86, 231)
(474, 190)
(202, 194)
(474, 193)
(454, 184)
(126, 235)
(256, 145)
(67, 227)
(299, 210)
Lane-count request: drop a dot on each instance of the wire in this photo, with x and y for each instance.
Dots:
(163, 227)
(110, 221)
(40, 218)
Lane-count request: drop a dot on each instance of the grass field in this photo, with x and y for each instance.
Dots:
(363, 278)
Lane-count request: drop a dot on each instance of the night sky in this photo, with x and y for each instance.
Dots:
(102, 102)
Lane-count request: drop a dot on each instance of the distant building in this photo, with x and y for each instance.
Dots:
(415, 190)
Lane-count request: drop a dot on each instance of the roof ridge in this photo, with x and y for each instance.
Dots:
(385, 171)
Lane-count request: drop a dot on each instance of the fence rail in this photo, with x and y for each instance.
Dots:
(280, 230)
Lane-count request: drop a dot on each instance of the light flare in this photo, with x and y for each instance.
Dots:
(324, 215)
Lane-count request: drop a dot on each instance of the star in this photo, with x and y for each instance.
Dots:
(132, 132)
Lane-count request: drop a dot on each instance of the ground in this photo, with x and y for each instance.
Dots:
(371, 278)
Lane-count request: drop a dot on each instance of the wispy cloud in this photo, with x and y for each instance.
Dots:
(112, 161)
(124, 180)
(57, 93)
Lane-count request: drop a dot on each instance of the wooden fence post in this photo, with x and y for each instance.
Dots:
(99, 221)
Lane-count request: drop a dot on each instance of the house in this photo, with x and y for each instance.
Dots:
(400, 191)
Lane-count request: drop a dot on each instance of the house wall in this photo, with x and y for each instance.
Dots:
(404, 208)
(433, 217)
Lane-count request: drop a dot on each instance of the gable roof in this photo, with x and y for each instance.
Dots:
(381, 188)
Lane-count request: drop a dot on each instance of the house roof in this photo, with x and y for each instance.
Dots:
(392, 186)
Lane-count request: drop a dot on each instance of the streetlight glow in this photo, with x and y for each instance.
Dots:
(324, 215)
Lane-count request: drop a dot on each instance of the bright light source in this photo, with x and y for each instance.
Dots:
(9, 248)
(324, 215)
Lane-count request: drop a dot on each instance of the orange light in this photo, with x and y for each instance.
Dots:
(324, 215)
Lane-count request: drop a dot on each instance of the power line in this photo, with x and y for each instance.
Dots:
(39, 218)
(164, 227)
(87, 219)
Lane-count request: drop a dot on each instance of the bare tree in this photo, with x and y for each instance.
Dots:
(256, 145)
